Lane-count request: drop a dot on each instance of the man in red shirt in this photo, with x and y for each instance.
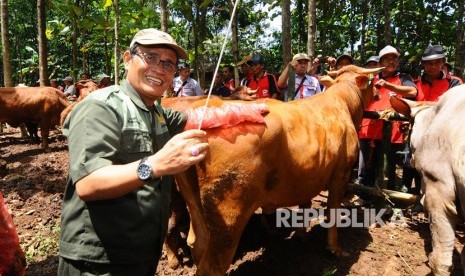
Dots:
(262, 81)
(388, 82)
(431, 85)
(434, 82)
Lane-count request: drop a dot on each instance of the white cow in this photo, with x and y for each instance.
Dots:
(438, 147)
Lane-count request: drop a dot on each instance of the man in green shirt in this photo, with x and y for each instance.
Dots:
(121, 155)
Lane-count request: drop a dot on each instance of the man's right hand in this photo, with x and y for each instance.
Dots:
(179, 153)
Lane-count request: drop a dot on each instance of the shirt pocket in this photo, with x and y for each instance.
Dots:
(135, 141)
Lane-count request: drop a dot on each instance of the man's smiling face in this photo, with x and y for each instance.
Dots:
(150, 80)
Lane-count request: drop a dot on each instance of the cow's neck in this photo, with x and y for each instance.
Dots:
(355, 102)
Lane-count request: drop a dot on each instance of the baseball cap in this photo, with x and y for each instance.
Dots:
(68, 78)
(372, 58)
(102, 76)
(347, 56)
(258, 59)
(300, 56)
(155, 37)
(388, 50)
(433, 52)
(245, 59)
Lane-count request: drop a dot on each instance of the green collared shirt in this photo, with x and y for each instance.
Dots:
(114, 126)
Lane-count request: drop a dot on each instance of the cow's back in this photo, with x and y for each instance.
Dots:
(295, 150)
(31, 104)
(439, 140)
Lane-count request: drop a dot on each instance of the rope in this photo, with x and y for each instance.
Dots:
(219, 62)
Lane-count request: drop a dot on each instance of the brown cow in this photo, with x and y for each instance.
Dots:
(304, 147)
(41, 105)
(85, 88)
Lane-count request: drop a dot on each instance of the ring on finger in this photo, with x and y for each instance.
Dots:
(195, 151)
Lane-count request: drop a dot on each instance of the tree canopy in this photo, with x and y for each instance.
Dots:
(80, 33)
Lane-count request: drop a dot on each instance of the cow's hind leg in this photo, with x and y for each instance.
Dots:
(335, 195)
(442, 214)
(178, 224)
(44, 131)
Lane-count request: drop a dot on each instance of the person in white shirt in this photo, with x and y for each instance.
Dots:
(184, 85)
(305, 85)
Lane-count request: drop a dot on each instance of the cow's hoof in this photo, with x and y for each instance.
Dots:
(173, 262)
(437, 267)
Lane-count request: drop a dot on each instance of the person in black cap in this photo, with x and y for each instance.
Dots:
(372, 62)
(261, 80)
(434, 82)
(344, 60)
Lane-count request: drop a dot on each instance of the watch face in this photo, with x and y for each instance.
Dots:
(144, 171)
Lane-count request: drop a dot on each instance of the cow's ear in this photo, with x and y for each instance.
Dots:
(361, 82)
(409, 108)
(400, 106)
(327, 81)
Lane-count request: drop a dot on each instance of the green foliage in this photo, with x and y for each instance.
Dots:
(414, 24)
(43, 246)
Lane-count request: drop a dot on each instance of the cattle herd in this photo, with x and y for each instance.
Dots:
(303, 147)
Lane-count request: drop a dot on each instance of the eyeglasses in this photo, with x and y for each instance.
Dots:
(152, 60)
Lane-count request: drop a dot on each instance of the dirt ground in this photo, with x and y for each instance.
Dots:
(32, 181)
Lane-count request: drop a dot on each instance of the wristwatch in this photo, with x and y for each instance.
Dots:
(144, 170)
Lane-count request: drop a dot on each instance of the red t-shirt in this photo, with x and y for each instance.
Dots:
(230, 85)
(265, 86)
(373, 128)
(428, 91)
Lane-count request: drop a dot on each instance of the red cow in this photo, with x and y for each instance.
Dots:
(41, 105)
(304, 147)
(85, 88)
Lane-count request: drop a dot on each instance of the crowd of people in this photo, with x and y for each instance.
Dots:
(69, 89)
(383, 143)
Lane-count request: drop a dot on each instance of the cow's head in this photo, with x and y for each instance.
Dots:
(361, 77)
(419, 120)
(85, 88)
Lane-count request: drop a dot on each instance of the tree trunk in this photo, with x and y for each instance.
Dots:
(83, 31)
(311, 28)
(460, 42)
(116, 53)
(286, 31)
(302, 35)
(42, 41)
(164, 15)
(365, 10)
(7, 76)
(387, 22)
(235, 44)
(75, 29)
(106, 43)
(199, 38)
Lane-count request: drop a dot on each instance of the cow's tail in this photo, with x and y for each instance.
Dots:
(188, 184)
